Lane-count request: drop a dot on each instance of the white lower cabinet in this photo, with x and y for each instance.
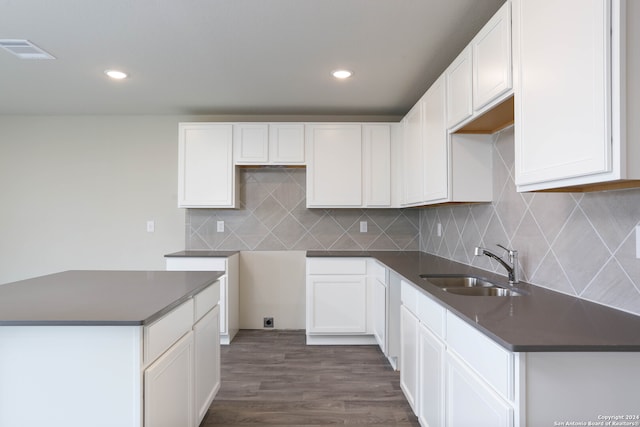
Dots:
(470, 402)
(380, 309)
(431, 379)
(409, 325)
(182, 357)
(337, 304)
(206, 335)
(346, 301)
(168, 387)
(452, 374)
(229, 287)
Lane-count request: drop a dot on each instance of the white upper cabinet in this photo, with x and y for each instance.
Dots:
(459, 88)
(348, 165)
(492, 70)
(286, 143)
(575, 105)
(412, 153)
(251, 143)
(206, 176)
(376, 139)
(334, 165)
(269, 143)
(442, 167)
(481, 76)
(436, 155)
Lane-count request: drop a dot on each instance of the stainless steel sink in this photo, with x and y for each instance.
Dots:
(458, 281)
(470, 285)
(495, 291)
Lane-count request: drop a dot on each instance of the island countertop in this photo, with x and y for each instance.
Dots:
(99, 297)
(540, 321)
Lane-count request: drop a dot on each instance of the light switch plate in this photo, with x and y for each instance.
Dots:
(220, 226)
(151, 226)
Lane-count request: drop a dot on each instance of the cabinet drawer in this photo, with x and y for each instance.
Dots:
(489, 360)
(162, 333)
(409, 297)
(378, 272)
(196, 264)
(206, 300)
(337, 266)
(431, 314)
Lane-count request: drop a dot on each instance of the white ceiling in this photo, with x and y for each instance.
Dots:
(231, 56)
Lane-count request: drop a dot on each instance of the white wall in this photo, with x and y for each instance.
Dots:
(77, 192)
(272, 284)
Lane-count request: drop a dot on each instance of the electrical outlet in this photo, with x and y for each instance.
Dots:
(363, 226)
(151, 226)
(439, 230)
(267, 322)
(220, 226)
(638, 241)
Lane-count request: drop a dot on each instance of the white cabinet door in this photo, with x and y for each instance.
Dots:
(562, 91)
(409, 327)
(206, 361)
(412, 151)
(251, 143)
(470, 402)
(376, 140)
(492, 69)
(431, 352)
(168, 387)
(459, 88)
(206, 175)
(229, 288)
(336, 304)
(286, 143)
(380, 314)
(436, 156)
(334, 165)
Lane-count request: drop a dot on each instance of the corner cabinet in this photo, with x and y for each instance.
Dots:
(206, 175)
(442, 167)
(576, 101)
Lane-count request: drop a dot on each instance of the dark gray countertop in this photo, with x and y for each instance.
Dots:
(201, 254)
(542, 321)
(99, 297)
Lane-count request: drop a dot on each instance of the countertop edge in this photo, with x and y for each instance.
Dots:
(513, 347)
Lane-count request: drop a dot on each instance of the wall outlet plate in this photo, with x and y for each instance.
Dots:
(267, 322)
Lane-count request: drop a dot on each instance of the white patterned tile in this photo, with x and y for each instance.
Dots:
(612, 287)
(580, 251)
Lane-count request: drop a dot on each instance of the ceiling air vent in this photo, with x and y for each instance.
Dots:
(24, 49)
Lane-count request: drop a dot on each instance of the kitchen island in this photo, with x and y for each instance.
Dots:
(109, 348)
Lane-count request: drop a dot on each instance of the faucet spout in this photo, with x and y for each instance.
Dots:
(511, 266)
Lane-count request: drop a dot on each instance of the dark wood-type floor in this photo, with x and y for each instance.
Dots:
(271, 378)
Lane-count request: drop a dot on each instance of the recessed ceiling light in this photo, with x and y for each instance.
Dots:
(115, 74)
(342, 74)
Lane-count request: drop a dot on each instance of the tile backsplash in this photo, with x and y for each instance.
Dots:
(582, 244)
(273, 216)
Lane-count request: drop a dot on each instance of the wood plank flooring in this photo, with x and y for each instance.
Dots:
(271, 378)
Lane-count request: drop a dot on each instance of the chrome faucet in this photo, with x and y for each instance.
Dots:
(512, 266)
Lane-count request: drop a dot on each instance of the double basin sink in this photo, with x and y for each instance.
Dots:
(471, 286)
